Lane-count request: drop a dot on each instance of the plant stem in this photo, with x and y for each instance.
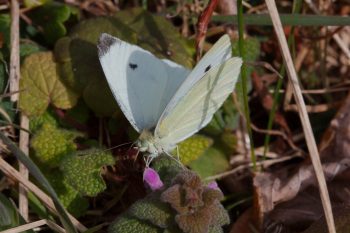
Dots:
(244, 80)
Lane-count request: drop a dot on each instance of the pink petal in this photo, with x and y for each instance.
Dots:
(152, 179)
(213, 185)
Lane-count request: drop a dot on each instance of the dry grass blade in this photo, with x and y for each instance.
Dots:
(14, 57)
(14, 81)
(33, 225)
(310, 140)
(9, 171)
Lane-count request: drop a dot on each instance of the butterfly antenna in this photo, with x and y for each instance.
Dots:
(114, 147)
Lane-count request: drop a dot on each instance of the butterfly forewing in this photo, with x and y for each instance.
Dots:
(139, 81)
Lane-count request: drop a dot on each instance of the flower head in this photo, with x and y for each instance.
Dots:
(198, 206)
(152, 179)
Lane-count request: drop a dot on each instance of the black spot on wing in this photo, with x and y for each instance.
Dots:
(104, 43)
(132, 66)
(207, 68)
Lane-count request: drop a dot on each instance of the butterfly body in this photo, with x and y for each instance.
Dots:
(165, 102)
(150, 144)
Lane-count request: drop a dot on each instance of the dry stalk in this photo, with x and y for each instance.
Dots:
(310, 140)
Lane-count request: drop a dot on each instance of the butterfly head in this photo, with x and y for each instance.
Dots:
(147, 143)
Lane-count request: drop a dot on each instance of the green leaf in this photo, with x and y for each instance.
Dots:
(166, 167)
(128, 224)
(9, 114)
(37, 122)
(28, 47)
(151, 209)
(3, 73)
(9, 216)
(37, 207)
(94, 100)
(69, 197)
(212, 162)
(51, 18)
(192, 148)
(5, 21)
(251, 51)
(41, 86)
(52, 144)
(82, 171)
(157, 35)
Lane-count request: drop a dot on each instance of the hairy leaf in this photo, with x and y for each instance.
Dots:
(83, 171)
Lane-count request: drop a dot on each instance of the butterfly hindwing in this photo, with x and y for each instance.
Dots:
(218, 54)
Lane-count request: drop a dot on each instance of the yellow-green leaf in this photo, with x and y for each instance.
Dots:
(41, 86)
(193, 147)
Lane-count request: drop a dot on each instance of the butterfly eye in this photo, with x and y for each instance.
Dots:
(208, 68)
(132, 66)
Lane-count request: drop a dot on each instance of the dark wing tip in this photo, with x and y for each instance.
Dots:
(104, 43)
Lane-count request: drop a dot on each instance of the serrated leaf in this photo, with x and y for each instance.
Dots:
(69, 197)
(212, 162)
(193, 147)
(52, 144)
(41, 86)
(128, 224)
(84, 172)
(151, 209)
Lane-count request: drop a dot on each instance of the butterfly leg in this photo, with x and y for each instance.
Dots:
(178, 153)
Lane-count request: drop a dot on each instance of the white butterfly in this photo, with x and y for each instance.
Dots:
(162, 100)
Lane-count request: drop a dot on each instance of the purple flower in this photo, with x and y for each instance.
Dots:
(152, 179)
(213, 185)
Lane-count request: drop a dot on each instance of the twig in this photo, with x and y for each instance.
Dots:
(14, 57)
(9, 171)
(310, 140)
(24, 146)
(14, 87)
